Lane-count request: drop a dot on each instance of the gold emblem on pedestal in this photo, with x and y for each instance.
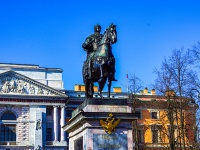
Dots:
(110, 124)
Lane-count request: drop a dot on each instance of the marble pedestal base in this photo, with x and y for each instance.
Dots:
(86, 132)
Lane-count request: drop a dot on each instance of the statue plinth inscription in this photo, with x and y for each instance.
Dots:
(113, 141)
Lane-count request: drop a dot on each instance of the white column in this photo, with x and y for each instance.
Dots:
(62, 123)
(55, 123)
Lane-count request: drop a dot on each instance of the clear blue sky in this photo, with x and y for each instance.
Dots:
(50, 33)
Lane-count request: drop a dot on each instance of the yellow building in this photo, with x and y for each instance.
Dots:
(159, 125)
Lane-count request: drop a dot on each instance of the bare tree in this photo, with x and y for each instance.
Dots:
(177, 78)
(196, 52)
(195, 93)
(134, 86)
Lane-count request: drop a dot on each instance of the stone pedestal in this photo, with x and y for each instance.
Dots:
(86, 132)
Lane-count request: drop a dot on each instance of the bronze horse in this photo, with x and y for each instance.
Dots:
(102, 61)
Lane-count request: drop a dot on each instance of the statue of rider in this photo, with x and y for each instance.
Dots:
(90, 46)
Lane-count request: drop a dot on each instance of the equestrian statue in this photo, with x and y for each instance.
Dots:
(100, 62)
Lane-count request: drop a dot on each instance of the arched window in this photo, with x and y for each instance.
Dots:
(7, 130)
(8, 115)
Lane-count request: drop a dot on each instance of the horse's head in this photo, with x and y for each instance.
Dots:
(112, 33)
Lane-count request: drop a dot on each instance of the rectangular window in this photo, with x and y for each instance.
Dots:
(48, 134)
(8, 132)
(49, 111)
(174, 131)
(154, 115)
(154, 136)
(156, 133)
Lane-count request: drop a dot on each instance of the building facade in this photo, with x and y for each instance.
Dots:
(32, 108)
(160, 125)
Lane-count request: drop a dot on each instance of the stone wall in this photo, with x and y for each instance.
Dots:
(22, 122)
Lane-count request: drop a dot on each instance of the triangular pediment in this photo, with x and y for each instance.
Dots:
(14, 83)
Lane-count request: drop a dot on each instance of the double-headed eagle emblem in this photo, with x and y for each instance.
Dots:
(110, 124)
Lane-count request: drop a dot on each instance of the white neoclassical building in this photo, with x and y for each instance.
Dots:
(32, 108)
